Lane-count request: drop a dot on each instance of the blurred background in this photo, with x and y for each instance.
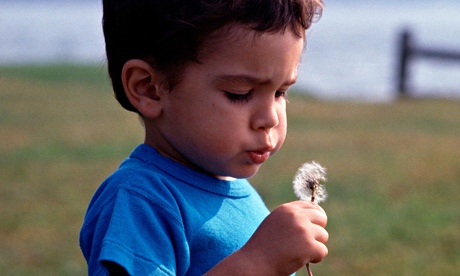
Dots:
(393, 163)
(352, 50)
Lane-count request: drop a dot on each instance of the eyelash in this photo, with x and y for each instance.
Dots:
(234, 97)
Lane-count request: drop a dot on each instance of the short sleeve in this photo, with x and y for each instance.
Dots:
(143, 236)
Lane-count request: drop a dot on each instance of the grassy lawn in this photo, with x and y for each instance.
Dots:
(393, 173)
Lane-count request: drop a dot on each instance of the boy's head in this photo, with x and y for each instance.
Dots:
(171, 33)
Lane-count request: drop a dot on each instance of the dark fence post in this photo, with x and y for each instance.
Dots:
(408, 50)
(404, 55)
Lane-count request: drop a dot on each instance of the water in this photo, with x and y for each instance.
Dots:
(351, 51)
(50, 31)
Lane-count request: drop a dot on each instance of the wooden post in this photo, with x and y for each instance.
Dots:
(404, 56)
(408, 51)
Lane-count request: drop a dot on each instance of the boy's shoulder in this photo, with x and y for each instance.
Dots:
(144, 172)
(143, 164)
(137, 186)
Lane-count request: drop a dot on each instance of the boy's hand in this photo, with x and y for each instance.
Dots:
(290, 237)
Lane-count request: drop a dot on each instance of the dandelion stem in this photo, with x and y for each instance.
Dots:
(309, 270)
(314, 188)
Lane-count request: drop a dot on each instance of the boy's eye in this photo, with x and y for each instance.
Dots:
(280, 94)
(237, 97)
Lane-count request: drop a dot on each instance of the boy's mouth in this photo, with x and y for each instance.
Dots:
(258, 157)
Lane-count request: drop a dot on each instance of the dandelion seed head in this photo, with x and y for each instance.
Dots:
(308, 175)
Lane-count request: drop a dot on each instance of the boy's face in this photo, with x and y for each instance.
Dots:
(228, 114)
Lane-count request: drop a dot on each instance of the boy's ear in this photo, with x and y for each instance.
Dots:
(143, 87)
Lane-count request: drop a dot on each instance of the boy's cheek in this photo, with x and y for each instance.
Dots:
(280, 143)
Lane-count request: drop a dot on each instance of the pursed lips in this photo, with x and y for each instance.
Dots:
(260, 156)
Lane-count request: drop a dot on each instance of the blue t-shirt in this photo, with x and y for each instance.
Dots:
(154, 216)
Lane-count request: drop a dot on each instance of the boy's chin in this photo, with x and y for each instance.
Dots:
(242, 174)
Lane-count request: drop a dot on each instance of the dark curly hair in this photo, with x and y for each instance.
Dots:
(169, 33)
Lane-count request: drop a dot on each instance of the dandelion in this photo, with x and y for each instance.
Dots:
(307, 185)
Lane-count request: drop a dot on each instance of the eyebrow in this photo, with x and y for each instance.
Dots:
(251, 79)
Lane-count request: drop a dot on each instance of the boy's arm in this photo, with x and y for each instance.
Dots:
(235, 264)
(291, 236)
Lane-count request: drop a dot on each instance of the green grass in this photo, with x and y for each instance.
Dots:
(393, 173)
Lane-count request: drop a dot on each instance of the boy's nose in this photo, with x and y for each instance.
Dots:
(266, 116)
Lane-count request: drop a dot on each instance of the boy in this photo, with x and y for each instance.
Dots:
(209, 81)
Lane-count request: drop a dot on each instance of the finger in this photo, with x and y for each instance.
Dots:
(320, 252)
(308, 205)
(320, 234)
(316, 216)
